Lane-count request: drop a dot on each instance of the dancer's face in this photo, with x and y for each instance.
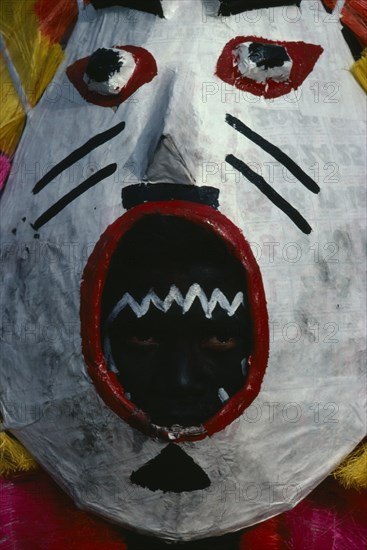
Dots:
(181, 366)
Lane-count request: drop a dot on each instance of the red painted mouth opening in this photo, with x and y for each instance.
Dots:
(303, 56)
(93, 281)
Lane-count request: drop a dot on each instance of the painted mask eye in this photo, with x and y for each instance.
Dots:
(266, 67)
(262, 62)
(111, 75)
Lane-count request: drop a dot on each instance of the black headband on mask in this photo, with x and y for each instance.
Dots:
(233, 7)
(150, 6)
(132, 195)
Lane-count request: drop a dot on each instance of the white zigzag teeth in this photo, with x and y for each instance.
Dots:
(175, 296)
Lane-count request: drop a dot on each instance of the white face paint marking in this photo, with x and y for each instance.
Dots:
(244, 366)
(223, 395)
(108, 355)
(175, 296)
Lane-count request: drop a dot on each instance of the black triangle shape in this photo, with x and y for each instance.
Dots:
(171, 471)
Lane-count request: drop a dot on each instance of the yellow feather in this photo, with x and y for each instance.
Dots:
(352, 473)
(359, 70)
(34, 57)
(14, 457)
(12, 113)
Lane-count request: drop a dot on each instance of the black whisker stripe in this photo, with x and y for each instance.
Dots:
(78, 154)
(74, 194)
(275, 152)
(270, 193)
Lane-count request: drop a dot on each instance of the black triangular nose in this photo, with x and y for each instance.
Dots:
(171, 471)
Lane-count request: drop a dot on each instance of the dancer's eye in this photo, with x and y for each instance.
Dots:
(142, 341)
(220, 342)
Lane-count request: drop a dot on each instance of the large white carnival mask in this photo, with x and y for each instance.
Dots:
(248, 129)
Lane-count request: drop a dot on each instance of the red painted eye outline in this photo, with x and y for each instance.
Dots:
(91, 292)
(303, 56)
(145, 70)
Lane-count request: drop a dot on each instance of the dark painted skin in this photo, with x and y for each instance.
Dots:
(173, 364)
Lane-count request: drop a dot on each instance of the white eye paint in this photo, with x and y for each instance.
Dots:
(223, 395)
(128, 395)
(244, 366)
(175, 296)
(108, 356)
(118, 80)
(247, 62)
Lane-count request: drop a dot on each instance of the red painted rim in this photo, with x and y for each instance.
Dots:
(93, 281)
